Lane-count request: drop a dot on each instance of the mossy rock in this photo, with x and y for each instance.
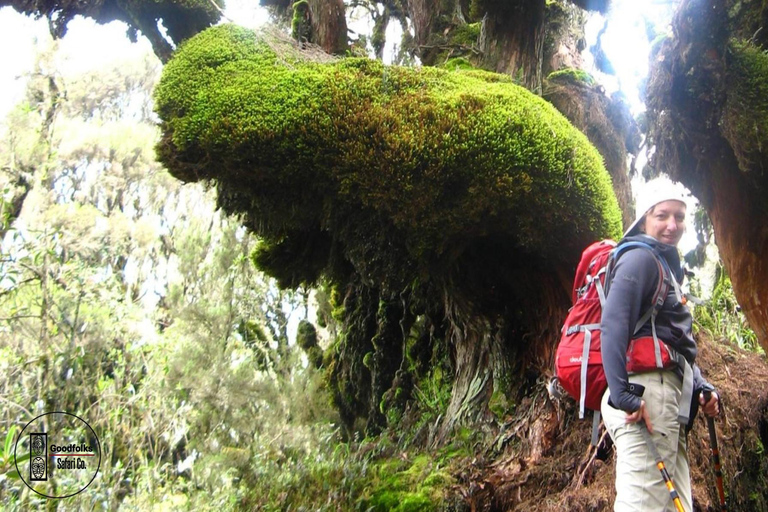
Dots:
(403, 168)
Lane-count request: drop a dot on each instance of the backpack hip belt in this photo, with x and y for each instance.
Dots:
(666, 358)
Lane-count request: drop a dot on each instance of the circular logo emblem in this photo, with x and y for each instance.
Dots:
(58, 447)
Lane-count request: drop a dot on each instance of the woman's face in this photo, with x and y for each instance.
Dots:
(666, 222)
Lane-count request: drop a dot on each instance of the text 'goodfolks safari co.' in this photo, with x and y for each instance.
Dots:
(70, 456)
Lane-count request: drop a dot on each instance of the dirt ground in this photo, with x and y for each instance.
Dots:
(542, 461)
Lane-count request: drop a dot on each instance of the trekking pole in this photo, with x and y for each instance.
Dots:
(715, 454)
(662, 467)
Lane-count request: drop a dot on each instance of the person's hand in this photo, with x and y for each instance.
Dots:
(712, 407)
(640, 414)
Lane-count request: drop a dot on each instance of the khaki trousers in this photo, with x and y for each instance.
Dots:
(639, 485)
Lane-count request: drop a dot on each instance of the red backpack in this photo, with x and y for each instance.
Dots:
(578, 360)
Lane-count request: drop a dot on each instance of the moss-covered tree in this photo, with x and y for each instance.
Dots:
(461, 187)
(708, 109)
(606, 121)
(510, 36)
(320, 22)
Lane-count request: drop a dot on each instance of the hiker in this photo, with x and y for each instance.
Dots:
(639, 485)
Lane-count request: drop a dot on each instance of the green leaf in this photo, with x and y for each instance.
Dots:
(23, 458)
(8, 441)
(13, 474)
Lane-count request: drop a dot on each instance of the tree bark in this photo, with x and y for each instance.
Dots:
(349, 377)
(739, 218)
(476, 349)
(387, 358)
(503, 338)
(512, 40)
(564, 39)
(427, 20)
(511, 36)
(329, 25)
(689, 87)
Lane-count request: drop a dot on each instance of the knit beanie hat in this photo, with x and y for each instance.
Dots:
(652, 193)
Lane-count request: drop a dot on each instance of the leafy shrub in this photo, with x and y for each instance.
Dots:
(721, 315)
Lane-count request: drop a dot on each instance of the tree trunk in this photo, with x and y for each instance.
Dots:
(387, 358)
(740, 221)
(696, 115)
(432, 21)
(512, 40)
(503, 338)
(476, 350)
(511, 37)
(608, 125)
(329, 25)
(565, 39)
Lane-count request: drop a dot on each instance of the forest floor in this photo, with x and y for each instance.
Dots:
(547, 465)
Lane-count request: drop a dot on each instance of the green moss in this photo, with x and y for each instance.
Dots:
(293, 261)
(657, 42)
(477, 9)
(306, 335)
(398, 164)
(300, 13)
(500, 404)
(458, 63)
(572, 75)
(735, 9)
(746, 111)
(407, 486)
(466, 34)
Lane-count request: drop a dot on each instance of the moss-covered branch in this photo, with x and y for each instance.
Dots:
(404, 167)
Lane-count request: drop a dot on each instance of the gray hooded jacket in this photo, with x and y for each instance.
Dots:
(631, 290)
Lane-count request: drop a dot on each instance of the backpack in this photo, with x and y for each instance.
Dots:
(578, 360)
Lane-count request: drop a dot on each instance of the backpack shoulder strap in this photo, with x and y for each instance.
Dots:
(662, 287)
